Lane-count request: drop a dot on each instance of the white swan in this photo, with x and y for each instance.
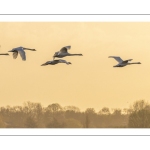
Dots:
(64, 52)
(122, 63)
(54, 62)
(21, 51)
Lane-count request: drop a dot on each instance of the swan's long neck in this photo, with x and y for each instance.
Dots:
(75, 55)
(4, 54)
(29, 49)
(134, 63)
(68, 63)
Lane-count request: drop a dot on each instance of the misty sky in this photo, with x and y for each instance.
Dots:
(91, 81)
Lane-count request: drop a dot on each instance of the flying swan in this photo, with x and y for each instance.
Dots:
(64, 52)
(122, 63)
(21, 51)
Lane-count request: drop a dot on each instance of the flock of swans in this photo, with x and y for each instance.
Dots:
(63, 52)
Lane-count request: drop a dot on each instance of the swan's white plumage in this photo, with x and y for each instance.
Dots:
(63, 52)
(116, 58)
(22, 54)
(21, 51)
(121, 62)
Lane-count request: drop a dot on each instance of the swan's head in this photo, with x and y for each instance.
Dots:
(43, 65)
(69, 63)
(33, 49)
(115, 66)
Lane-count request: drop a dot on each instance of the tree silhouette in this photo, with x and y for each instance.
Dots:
(55, 124)
(140, 115)
(30, 123)
(33, 115)
(87, 120)
(2, 123)
(71, 108)
(72, 123)
(54, 108)
(104, 111)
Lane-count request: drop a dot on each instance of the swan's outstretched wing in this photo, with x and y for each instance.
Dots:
(22, 54)
(15, 54)
(55, 61)
(52, 62)
(64, 61)
(127, 60)
(116, 58)
(64, 49)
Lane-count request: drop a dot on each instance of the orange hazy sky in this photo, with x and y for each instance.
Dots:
(91, 81)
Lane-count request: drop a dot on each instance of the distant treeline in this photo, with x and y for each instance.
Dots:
(33, 115)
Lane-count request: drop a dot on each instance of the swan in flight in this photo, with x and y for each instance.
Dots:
(54, 62)
(122, 63)
(64, 52)
(21, 51)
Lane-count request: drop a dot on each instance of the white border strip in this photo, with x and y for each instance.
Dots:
(74, 18)
(58, 131)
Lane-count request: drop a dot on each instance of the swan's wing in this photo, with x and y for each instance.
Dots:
(68, 47)
(64, 49)
(64, 61)
(55, 61)
(127, 60)
(22, 54)
(46, 63)
(15, 54)
(116, 58)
